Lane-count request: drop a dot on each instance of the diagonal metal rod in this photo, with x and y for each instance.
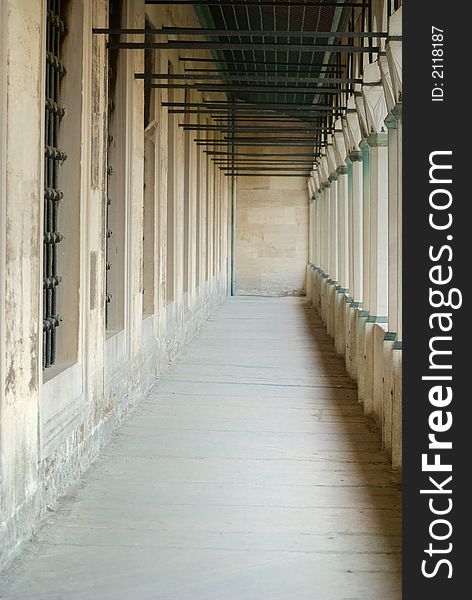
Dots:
(254, 33)
(205, 45)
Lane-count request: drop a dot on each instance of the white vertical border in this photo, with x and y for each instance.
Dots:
(3, 135)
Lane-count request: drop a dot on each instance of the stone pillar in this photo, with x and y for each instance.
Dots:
(333, 227)
(357, 228)
(350, 266)
(326, 249)
(318, 219)
(343, 233)
(311, 223)
(378, 266)
(363, 311)
(377, 322)
(343, 258)
(397, 348)
(333, 258)
(357, 261)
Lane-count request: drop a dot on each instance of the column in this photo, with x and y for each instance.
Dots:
(343, 228)
(357, 228)
(392, 311)
(377, 277)
(398, 114)
(311, 231)
(366, 185)
(333, 226)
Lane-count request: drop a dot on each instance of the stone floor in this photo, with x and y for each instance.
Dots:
(249, 473)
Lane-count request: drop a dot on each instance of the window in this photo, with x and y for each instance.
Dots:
(62, 183)
(115, 211)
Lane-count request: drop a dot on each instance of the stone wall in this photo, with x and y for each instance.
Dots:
(53, 422)
(271, 235)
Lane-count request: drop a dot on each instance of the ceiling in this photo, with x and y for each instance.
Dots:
(281, 18)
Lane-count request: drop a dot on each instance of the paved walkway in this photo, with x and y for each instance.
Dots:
(249, 473)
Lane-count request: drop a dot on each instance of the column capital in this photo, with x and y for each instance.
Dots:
(355, 156)
(333, 176)
(342, 170)
(391, 121)
(397, 110)
(377, 139)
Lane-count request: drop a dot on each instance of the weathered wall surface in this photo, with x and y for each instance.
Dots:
(271, 235)
(54, 422)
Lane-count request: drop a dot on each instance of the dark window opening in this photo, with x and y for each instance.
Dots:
(114, 22)
(53, 158)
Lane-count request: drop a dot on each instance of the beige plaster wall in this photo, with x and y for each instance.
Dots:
(53, 423)
(271, 235)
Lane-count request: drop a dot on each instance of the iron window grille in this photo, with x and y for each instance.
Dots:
(53, 158)
(114, 20)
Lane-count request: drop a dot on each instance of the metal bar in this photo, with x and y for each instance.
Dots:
(260, 33)
(251, 106)
(289, 119)
(305, 109)
(264, 161)
(217, 87)
(222, 115)
(261, 143)
(245, 77)
(369, 18)
(292, 169)
(256, 3)
(249, 129)
(207, 87)
(247, 165)
(256, 62)
(240, 32)
(325, 68)
(267, 139)
(238, 154)
(205, 45)
(232, 174)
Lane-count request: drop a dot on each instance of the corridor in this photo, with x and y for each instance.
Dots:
(248, 473)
